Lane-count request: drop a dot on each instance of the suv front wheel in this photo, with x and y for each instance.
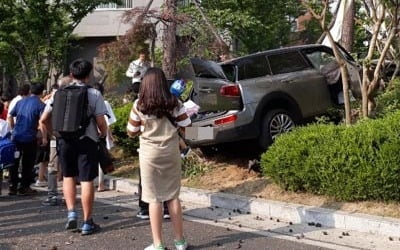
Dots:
(275, 122)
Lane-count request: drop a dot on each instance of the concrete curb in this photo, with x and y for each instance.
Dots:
(298, 214)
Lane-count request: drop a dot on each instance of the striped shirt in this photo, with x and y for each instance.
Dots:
(137, 120)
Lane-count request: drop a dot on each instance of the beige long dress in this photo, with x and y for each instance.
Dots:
(159, 157)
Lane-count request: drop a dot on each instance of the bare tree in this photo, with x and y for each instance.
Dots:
(378, 11)
(347, 38)
(321, 17)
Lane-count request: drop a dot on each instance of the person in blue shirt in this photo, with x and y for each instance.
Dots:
(24, 130)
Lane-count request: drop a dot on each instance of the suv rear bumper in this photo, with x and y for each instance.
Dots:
(239, 129)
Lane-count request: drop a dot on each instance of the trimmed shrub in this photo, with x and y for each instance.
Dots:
(361, 162)
(389, 101)
(128, 144)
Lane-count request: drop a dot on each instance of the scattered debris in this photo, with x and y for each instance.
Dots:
(219, 244)
(229, 218)
(238, 246)
(325, 233)
(390, 238)
(228, 229)
(241, 241)
(277, 220)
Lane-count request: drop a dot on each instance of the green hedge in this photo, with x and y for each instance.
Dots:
(361, 162)
(128, 144)
(389, 101)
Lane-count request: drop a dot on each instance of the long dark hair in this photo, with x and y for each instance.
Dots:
(154, 95)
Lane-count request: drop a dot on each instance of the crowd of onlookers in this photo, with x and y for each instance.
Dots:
(157, 116)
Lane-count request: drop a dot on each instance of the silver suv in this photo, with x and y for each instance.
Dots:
(262, 95)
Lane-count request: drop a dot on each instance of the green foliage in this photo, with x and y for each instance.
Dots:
(128, 144)
(257, 25)
(361, 162)
(36, 34)
(193, 166)
(389, 100)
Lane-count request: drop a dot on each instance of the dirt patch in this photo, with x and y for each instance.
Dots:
(233, 176)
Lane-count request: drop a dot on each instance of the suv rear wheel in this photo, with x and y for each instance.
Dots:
(275, 122)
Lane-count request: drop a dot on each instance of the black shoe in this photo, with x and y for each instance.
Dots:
(166, 214)
(26, 191)
(143, 214)
(12, 190)
(89, 227)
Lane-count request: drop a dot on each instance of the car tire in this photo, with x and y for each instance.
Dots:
(274, 123)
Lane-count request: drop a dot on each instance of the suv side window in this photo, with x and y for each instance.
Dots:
(252, 67)
(319, 59)
(287, 62)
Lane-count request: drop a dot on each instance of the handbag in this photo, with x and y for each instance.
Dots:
(105, 158)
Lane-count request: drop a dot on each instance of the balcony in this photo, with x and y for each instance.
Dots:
(126, 4)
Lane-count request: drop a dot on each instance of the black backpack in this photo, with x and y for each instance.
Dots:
(70, 111)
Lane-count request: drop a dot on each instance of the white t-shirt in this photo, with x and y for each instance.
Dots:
(12, 104)
(4, 128)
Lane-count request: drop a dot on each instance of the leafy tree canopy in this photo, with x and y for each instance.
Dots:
(258, 25)
(37, 33)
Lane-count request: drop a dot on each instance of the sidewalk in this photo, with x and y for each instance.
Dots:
(388, 228)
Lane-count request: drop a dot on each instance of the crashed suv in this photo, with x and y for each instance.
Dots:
(262, 95)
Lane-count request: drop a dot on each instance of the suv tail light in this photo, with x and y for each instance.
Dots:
(230, 90)
(227, 119)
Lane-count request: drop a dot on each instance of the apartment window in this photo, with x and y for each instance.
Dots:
(126, 4)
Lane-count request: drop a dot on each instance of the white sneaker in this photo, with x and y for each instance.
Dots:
(152, 247)
(40, 183)
(181, 245)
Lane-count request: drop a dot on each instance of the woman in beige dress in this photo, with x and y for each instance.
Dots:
(157, 115)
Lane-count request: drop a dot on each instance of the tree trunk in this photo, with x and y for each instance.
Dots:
(169, 40)
(347, 38)
(345, 79)
(24, 66)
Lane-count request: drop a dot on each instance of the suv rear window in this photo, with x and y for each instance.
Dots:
(287, 62)
(252, 67)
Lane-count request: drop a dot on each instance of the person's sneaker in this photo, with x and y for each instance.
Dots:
(166, 214)
(40, 183)
(152, 247)
(143, 214)
(181, 245)
(12, 191)
(89, 227)
(72, 221)
(51, 201)
(26, 191)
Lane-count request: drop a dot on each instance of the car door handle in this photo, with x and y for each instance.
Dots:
(206, 90)
(287, 81)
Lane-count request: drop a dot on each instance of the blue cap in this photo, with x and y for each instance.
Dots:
(177, 87)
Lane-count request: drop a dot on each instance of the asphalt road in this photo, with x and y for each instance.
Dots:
(26, 224)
